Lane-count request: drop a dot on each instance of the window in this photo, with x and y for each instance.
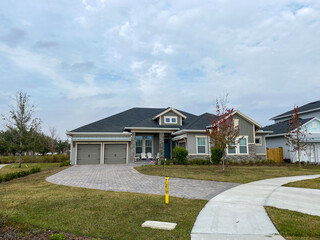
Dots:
(240, 147)
(170, 120)
(243, 146)
(201, 144)
(232, 149)
(148, 142)
(258, 141)
(235, 122)
(138, 144)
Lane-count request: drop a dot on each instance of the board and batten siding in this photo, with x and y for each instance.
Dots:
(245, 128)
(171, 114)
(192, 142)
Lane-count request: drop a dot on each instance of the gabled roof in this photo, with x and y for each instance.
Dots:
(310, 107)
(168, 110)
(281, 128)
(247, 118)
(201, 122)
(134, 117)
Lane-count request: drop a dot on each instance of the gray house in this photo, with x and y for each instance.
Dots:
(129, 135)
(309, 118)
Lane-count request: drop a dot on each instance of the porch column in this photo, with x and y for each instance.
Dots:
(161, 145)
(132, 147)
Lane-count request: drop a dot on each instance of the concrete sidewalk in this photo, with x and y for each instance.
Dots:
(3, 165)
(239, 213)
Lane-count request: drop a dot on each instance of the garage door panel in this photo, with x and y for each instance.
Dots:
(88, 154)
(115, 153)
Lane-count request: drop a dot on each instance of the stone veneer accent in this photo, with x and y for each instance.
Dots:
(132, 147)
(252, 155)
(191, 157)
(161, 146)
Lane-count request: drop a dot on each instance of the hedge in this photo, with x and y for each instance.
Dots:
(35, 159)
(9, 176)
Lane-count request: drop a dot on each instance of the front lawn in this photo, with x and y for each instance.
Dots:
(294, 225)
(87, 212)
(311, 183)
(237, 174)
(25, 166)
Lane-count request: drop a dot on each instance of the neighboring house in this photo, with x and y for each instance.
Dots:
(309, 115)
(124, 137)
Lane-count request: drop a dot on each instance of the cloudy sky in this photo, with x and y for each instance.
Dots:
(81, 61)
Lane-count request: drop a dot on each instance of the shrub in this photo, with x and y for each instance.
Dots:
(162, 162)
(168, 162)
(65, 163)
(243, 162)
(216, 155)
(1, 179)
(156, 162)
(58, 236)
(180, 154)
(9, 176)
(175, 161)
(35, 159)
(250, 162)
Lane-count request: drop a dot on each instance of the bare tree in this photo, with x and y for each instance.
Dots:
(222, 131)
(296, 135)
(52, 139)
(21, 118)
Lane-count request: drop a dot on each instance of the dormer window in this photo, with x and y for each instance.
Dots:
(170, 120)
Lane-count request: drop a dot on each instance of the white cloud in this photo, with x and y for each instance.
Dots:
(158, 48)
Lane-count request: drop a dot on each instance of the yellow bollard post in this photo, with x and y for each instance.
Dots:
(167, 190)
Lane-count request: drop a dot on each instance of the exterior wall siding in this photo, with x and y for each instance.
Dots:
(261, 148)
(192, 144)
(245, 128)
(275, 142)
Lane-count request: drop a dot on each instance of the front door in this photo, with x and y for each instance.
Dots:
(167, 148)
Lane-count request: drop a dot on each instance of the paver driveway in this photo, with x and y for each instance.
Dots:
(124, 178)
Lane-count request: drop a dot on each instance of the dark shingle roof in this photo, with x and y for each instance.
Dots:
(134, 117)
(200, 122)
(282, 127)
(307, 107)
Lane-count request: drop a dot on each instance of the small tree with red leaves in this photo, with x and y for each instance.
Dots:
(296, 135)
(222, 131)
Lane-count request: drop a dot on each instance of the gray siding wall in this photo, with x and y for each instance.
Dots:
(261, 148)
(191, 142)
(302, 115)
(245, 128)
(276, 142)
(171, 114)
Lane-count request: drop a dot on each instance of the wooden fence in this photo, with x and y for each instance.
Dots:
(275, 154)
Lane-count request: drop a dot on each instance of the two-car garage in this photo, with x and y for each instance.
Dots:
(101, 153)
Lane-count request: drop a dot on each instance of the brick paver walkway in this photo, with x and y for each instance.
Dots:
(124, 178)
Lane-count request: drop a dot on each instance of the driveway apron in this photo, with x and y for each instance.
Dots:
(124, 178)
(239, 213)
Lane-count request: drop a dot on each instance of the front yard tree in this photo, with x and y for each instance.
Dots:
(296, 135)
(52, 140)
(21, 120)
(222, 131)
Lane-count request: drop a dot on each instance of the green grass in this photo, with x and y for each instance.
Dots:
(237, 174)
(86, 212)
(294, 225)
(26, 166)
(311, 183)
